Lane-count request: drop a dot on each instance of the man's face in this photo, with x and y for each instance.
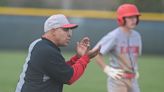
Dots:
(62, 36)
(131, 22)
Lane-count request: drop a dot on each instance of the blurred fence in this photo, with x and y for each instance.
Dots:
(17, 31)
(19, 27)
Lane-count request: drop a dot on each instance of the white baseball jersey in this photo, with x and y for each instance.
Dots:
(118, 42)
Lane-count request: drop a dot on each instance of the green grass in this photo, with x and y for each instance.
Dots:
(93, 80)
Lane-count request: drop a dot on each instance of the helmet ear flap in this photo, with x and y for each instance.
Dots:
(137, 20)
(120, 21)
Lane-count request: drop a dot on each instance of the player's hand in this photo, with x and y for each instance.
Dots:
(113, 73)
(82, 46)
(93, 52)
(137, 75)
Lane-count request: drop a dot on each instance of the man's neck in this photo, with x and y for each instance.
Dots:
(48, 37)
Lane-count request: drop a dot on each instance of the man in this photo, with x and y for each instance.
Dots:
(123, 45)
(45, 69)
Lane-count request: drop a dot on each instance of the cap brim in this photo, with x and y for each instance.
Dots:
(71, 26)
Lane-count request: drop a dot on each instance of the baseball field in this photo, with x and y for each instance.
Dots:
(94, 80)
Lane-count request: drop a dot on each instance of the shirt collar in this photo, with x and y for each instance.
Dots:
(51, 43)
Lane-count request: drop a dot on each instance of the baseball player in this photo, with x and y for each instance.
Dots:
(124, 46)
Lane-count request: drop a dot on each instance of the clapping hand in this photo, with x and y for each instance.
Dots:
(82, 48)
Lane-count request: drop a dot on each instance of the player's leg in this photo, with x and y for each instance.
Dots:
(116, 85)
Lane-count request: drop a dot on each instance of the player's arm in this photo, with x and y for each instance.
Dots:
(107, 43)
(100, 61)
(109, 71)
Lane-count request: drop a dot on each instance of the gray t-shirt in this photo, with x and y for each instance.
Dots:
(118, 42)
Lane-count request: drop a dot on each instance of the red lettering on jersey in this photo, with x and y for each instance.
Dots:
(131, 49)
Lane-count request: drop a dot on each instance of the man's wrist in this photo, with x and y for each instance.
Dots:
(85, 58)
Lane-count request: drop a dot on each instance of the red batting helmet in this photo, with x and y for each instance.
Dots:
(126, 10)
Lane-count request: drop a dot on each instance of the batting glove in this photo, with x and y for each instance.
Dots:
(137, 75)
(113, 73)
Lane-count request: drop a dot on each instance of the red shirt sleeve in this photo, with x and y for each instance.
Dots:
(72, 60)
(78, 68)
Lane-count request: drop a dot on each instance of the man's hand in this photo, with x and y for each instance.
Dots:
(83, 46)
(93, 52)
